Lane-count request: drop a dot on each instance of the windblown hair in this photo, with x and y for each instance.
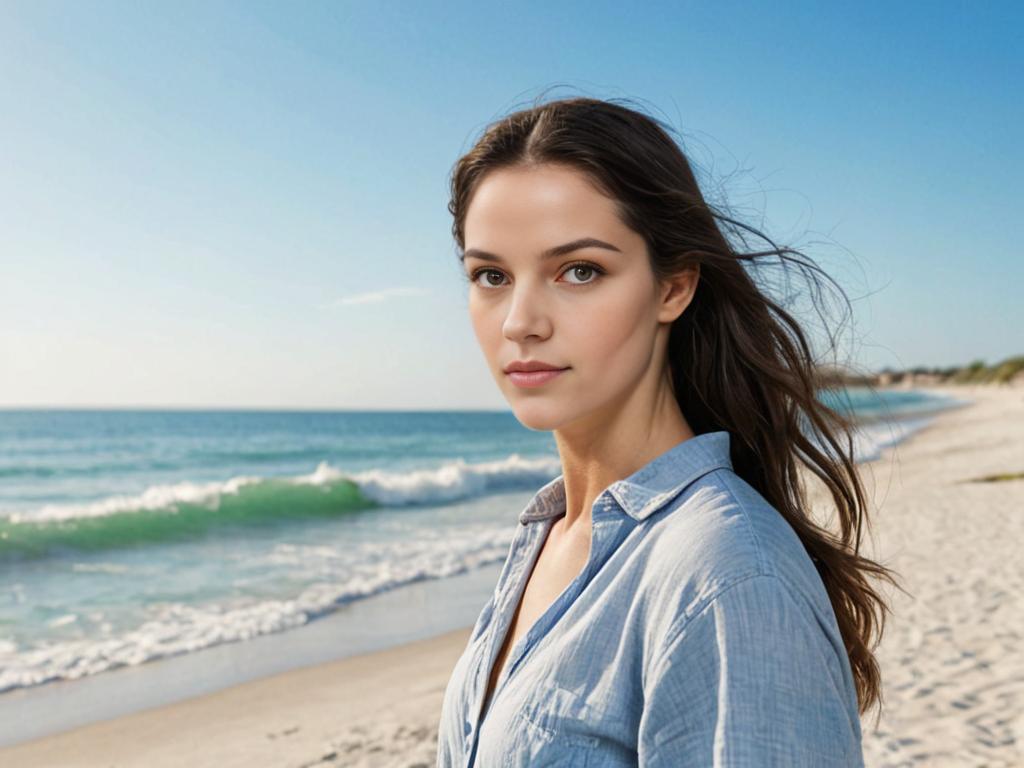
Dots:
(738, 360)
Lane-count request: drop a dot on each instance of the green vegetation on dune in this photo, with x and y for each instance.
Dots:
(976, 372)
(1010, 370)
(997, 478)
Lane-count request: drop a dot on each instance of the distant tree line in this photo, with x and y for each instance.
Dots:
(1010, 370)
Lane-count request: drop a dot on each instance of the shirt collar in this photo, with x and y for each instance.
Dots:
(649, 488)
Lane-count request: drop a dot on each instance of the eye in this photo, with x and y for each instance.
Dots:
(587, 267)
(475, 275)
(573, 268)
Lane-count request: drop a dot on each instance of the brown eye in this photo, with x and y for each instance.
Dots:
(476, 275)
(494, 276)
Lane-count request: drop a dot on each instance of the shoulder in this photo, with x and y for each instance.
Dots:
(720, 533)
(751, 673)
(722, 530)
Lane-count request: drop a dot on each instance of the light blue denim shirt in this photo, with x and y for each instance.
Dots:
(697, 634)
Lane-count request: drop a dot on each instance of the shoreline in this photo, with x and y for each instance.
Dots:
(940, 668)
(415, 612)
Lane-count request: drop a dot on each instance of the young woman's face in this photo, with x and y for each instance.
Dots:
(593, 311)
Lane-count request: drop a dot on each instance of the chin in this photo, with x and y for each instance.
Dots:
(540, 417)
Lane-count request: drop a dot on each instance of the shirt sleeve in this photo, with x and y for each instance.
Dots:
(750, 680)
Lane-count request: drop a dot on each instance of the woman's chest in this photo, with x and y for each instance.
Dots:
(571, 692)
(564, 707)
(554, 570)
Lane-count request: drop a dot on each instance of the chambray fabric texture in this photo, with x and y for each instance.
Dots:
(697, 634)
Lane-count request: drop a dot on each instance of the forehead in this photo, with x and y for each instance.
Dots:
(535, 206)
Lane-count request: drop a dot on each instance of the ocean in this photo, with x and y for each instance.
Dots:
(133, 535)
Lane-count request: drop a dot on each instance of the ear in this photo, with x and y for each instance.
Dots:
(677, 293)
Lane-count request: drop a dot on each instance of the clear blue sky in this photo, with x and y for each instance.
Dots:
(243, 204)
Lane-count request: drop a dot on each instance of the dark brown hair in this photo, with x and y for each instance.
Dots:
(739, 361)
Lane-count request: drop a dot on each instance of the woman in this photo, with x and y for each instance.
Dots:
(666, 601)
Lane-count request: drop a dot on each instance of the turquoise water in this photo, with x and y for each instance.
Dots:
(127, 536)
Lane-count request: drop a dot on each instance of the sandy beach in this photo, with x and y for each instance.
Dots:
(951, 657)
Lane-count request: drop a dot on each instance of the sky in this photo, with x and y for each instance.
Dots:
(211, 204)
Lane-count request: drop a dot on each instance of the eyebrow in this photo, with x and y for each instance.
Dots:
(550, 253)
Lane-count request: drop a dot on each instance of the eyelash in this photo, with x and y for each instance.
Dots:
(596, 269)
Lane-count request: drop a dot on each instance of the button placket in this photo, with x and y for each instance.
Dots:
(500, 625)
(541, 629)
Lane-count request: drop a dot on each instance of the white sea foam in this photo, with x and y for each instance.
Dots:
(456, 480)
(871, 439)
(99, 568)
(153, 498)
(452, 481)
(175, 628)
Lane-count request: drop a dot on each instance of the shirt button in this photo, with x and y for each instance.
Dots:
(466, 727)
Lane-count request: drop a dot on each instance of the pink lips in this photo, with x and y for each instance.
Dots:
(534, 378)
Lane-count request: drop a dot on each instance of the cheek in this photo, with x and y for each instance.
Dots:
(611, 329)
(487, 325)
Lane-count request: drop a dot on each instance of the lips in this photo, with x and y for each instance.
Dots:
(532, 365)
(537, 378)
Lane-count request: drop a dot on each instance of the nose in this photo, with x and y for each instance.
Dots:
(528, 315)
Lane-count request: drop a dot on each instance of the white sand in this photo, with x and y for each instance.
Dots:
(951, 655)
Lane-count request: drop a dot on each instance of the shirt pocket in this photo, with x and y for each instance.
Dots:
(554, 728)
